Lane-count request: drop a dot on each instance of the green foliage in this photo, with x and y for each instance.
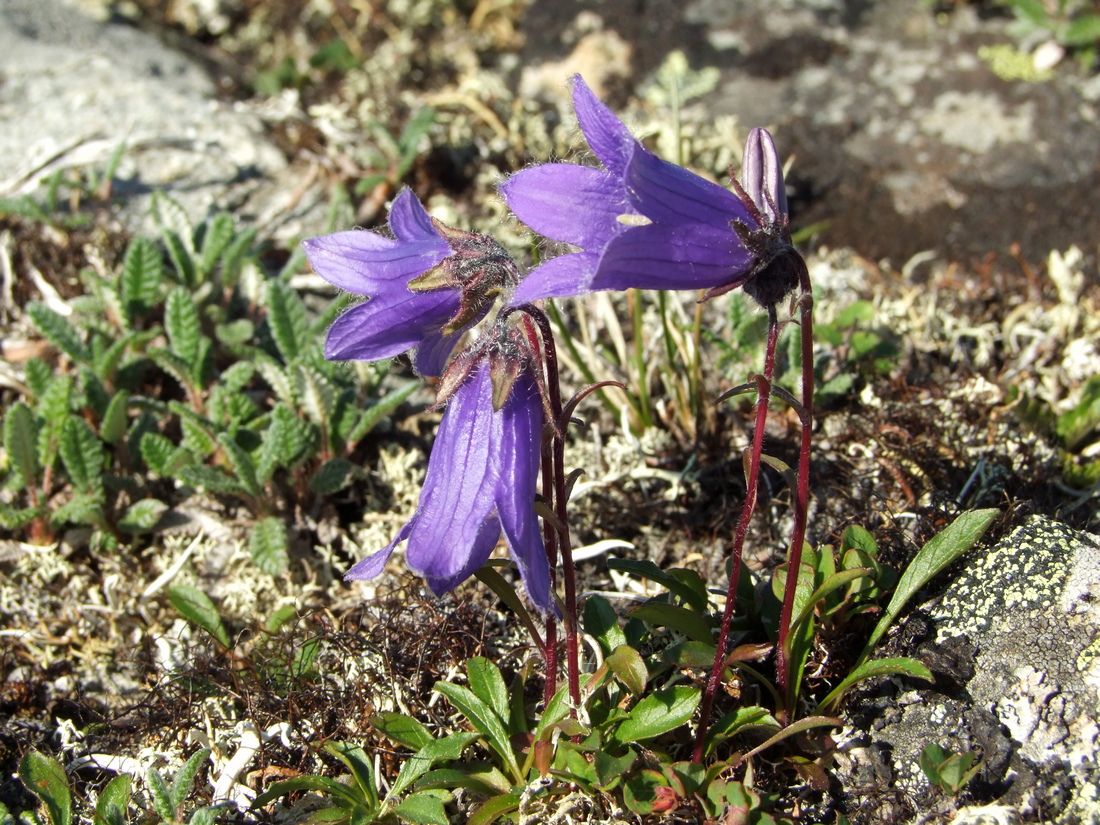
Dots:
(196, 607)
(168, 800)
(948, 771)
(46, 779)
(1074, 24)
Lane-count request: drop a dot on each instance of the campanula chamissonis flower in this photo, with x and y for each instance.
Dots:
(427, 284)
(481, 481)
(643, 222)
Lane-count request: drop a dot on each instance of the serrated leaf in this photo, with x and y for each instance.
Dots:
(185, 779)
(216, 237)
(316, 395)
(235, 333)
(83, 508)
(20, 444)
(175, 366)
(933, 558)
(183, 325)
(196, 607)
(16, 518)
(142, 516)
(115, 421)
(82, 454)
(422, 809)
(38, 376)
(658, 713)
(276, 376)
(243, 468)
(58, 331)
(382, 408)
(163, 457)
(286, 316)
(268, 544)
(332, 476)
(161, 795)
(210, 478)
(142, 275)
(46, 779)
(204, 816)
(169, 216)
(200, 434)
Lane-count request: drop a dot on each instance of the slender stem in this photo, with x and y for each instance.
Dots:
(764, 383)
(802, 493)
(550, 537)
(634, 299)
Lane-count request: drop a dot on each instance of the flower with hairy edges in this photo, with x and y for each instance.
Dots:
(643, 222)
(427, 285)
(481, 481)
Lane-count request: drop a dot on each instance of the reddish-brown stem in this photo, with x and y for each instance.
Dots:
(764, 383)
(802, 495)
(550, 537)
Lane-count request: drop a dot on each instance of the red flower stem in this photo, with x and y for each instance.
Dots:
(764, 383)
(802, 493)
(550, 537)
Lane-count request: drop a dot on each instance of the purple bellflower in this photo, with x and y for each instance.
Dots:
(427, 284)
(482, 475)
(643, 222)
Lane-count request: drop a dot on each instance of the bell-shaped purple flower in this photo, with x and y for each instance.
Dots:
(427, 284)
(481, 481)
(638, 222)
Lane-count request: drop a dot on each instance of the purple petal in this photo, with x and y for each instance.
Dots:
(433, 351)
(389, 324)
(657, 256)
(373, 564)
(460, 485)
(487, 537)
(667, 193)
(569, 203)
(560, 277)
(609, 139)
(366, 263)
(410, 221)
(762, 175)
(519, 456)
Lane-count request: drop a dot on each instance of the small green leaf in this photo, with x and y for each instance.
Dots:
(610, 768)
(46, 779)
(494, 809)
(216, 237)
(184, 327)
(449, 748)
(422, 809)
(58, 331)
(19, 443)
(83, 508)
(402, 729)
(316, 395)
(648, 570)
(627, 665)
(286, 315)
(196, 607)
(1081, 32)
(161, 796)
(113, 428)
(332, 476)
(344, 795)
(113, 801)
(933, 558)
(210, 478)
(235, 333)
(488, 685)
(142, 275)
(82, 454)
(380, 410)
(658, 713)
(485, 721)
(357, 761)
(602, 623)
(691, 624)
(203, 816)
(185, 779)
(268, 544)
(869, 670)
(243, 468)
(142, 516)
(163, 457)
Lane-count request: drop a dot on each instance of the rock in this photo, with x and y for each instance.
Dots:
(75, 88)
(1028, 613)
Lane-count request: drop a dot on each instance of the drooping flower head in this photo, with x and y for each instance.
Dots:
(638, 221)
(482, 474)
(427, 284)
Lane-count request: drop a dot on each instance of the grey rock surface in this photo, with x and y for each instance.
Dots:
(74, 88)
(1017, 647)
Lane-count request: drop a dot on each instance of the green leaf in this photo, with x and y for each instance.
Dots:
(602, 623)
(235, 333)
(46, 779)
(611, 768)
(115, 421)
(422, 809)
(1084, 31)
(938, 554)
(142, 516)
(356, 760)
(216, 237)
(627, 665)
(869, 670)
(494, 809)
(184, 327)
(16, 518)
(203, 816)
(402, 729)
(449, 748)
(83, 455)
(196, 607)
(332, 476)
(19, 443)
(380, 410)
(316, 395)
(507, 594)
(691, 624)
(38, 376)
(58, 331)
(286, 315)
(488, 685)
(243, 468)
(161, 795)
(485, 721)
(163, 457)
(321, 784)
(174, 365)
(1075, 426)
(648, 570)
(268, 544)
(142, 275)
(737, 721)
(210, 478)
(113, 801)
(185, 779)
(83, 508)
(793, 729)
(658, 713)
